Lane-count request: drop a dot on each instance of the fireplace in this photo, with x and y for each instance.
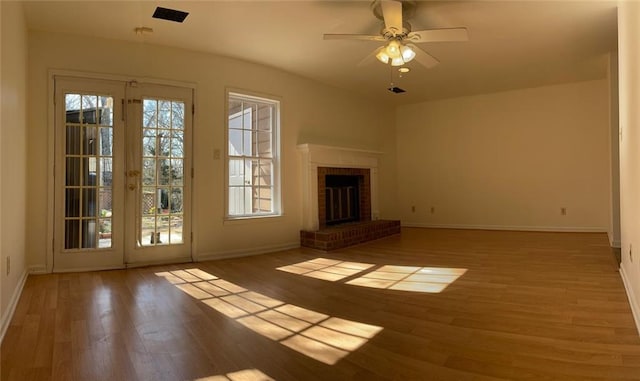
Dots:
(344, 195)
(340, 197)
(317, 161)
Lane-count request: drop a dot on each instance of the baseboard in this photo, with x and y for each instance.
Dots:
(38, 270)
(634, 302)
(237, 253)
(88, 269)
(509, 227)
(11, 307)
(612, 242)
(246, 252)
(159, 262)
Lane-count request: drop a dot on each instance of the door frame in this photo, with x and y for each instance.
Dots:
(47, 267)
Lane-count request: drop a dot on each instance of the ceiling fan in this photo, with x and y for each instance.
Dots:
(400, 40)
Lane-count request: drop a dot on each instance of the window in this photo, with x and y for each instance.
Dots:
(252, 154)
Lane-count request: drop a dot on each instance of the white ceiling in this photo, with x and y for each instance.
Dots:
(512, 44)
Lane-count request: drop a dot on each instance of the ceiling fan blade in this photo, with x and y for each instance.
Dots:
(425, 59)
(392, 13)
(364, 37)
(439, 35)
(370, 58)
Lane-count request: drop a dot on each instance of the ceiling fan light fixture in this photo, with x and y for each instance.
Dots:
(397, 61)
(393, 49)
(395, 53)
(382, 55)
(407, 53)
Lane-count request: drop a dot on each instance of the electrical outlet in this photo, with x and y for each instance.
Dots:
(413, 209)
(8, 265)
(432, 210)
(563, 211)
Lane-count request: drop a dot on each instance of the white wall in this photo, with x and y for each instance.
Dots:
(629, 98)
(13, 157)
(311, 113)
(508, 160)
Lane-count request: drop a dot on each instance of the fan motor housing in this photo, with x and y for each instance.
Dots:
(408, 9)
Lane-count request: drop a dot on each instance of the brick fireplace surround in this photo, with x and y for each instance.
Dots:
(318, 162)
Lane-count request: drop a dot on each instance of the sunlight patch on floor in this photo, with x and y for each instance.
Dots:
(241, 375)
(321, 337)
(326, 269)
(403, 278)
(410, 278)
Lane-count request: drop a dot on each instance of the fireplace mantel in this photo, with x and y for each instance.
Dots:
(313, 156)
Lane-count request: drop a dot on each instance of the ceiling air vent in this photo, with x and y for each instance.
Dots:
(396, 90)
(170, 14)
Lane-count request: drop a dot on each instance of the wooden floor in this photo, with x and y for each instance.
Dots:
(425, 305)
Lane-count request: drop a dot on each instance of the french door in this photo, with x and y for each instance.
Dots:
(122, 174)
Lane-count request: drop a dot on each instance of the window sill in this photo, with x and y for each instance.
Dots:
(251, 219)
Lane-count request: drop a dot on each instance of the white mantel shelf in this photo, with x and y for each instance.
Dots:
(319, 147)
(313, 156)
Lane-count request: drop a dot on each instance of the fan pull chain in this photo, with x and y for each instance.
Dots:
(391, 74)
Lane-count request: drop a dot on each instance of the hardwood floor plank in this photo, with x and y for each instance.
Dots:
(62, 362)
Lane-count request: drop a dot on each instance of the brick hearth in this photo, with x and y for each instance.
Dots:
(348, 234)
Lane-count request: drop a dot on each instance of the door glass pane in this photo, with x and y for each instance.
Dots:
(89, 234)
(176, 229)
(71, 234)
(149, 113)
(73, 139)
(162, 230)
(149, 172)
(177, 144)
(89, 200)
(104, 233)
(149, 142)
(72, 202)
(90, 140)
(106, 141)
(106, 172)
(73, 171)
(176, 200)
(148, 231)
(89, 168)
(88, 171)
(164, 114)
(177, 172)
(162, 172)
(177, 115)
(148, 201)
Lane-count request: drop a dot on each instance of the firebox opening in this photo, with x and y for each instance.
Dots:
(342, 199)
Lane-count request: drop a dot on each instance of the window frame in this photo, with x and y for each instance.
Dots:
(276, 103)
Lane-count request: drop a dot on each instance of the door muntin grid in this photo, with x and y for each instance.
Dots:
(162, 181)
(88, 178)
